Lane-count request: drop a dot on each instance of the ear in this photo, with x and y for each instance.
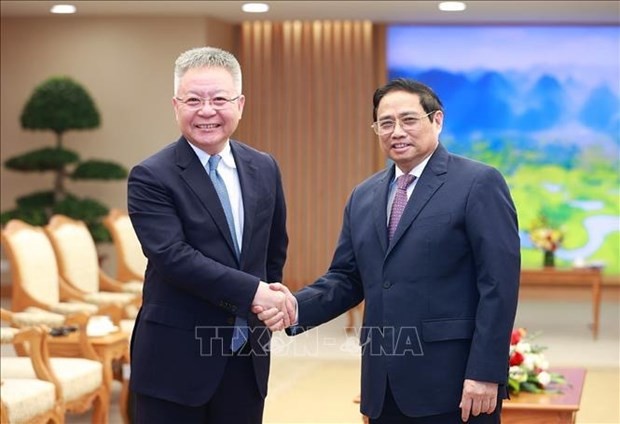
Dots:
(438, 121)
(241, 104)
(175, 106)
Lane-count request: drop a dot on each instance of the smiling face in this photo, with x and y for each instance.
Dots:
(207, 128)
(408, 148)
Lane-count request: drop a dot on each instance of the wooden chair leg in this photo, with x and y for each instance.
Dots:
(101, 408)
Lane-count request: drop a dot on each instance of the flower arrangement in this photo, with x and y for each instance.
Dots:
(528, 366)
(544, 235)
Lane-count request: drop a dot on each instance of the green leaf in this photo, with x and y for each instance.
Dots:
(87, 210)
(530, 387)
(46, 159)
(37, 200)
(60, 104)
(31, 216)
(514, 386)
(99, 232)
(99, 170)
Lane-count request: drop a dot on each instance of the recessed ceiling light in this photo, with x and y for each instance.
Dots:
(255, 7)
(64, 9)
(452, 6)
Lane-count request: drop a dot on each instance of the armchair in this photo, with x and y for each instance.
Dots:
(78, 383)
(78, 265)
(38, 317)
(30, 400)
(131, 262)
(35, 280)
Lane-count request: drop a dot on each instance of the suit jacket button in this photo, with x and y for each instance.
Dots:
(387, 284)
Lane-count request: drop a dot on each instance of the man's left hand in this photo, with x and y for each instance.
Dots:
(479, 397)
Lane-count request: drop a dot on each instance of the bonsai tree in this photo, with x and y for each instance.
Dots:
(59, 105)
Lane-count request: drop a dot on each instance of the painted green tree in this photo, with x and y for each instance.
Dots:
(60, 104)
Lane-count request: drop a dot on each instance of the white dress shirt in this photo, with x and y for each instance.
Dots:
(417, 171)
(227, 168)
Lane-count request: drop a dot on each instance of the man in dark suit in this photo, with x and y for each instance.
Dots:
(431, 245)
(211, 217)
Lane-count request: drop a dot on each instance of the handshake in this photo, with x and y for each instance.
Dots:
(275, 306)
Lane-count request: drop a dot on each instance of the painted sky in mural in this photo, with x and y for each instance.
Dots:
(542, 103)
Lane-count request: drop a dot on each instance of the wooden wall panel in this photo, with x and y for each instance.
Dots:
(308, 88)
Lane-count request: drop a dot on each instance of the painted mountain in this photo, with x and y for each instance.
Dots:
(542, 104)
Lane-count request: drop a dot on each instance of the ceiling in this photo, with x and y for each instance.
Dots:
(479, 11)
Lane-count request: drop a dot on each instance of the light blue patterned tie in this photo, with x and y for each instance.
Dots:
(240, 333)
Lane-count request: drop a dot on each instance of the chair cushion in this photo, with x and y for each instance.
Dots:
(77, 376)
(25, 399)
(67, 308)
(36, 316)
(127, 326)
(107, 298)
(7, 334)
(133, 286)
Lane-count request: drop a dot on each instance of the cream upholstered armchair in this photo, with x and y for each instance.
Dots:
(36, 282)
(41, 318)
(78, 382)
(29, 400)
(78, 265)
(131, 262)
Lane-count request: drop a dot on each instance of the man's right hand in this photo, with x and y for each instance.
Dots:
(281, 315)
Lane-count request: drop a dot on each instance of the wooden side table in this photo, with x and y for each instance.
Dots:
(591, 277)
(543, 408)
(109, 348)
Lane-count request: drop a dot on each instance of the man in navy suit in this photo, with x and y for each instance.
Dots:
(210, 215)
(435, 256)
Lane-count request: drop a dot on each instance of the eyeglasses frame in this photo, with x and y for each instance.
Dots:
(375, 125)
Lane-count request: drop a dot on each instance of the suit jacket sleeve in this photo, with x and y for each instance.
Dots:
(492, 227)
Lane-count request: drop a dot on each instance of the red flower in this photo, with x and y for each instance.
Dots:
(515, 337)
(516, 359)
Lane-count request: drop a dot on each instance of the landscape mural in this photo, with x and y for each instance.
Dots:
(542, 104)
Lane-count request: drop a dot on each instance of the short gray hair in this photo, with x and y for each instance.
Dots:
(210, 57)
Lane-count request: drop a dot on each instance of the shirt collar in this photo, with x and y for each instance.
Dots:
(226, 154)
(416, 172)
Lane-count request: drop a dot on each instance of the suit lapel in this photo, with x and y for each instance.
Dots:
(380, 193)
(248, 175)
(433, 177)
(196, 177)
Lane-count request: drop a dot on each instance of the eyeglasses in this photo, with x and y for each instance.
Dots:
(407, 123)
(196, 102)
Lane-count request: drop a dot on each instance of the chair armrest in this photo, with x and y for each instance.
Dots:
(107, 283)
(5, 315)
(68, 292)
(80, 320)
(115, 312)
(34, 337)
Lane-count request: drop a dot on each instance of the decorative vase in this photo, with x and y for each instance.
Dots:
(549, 258)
